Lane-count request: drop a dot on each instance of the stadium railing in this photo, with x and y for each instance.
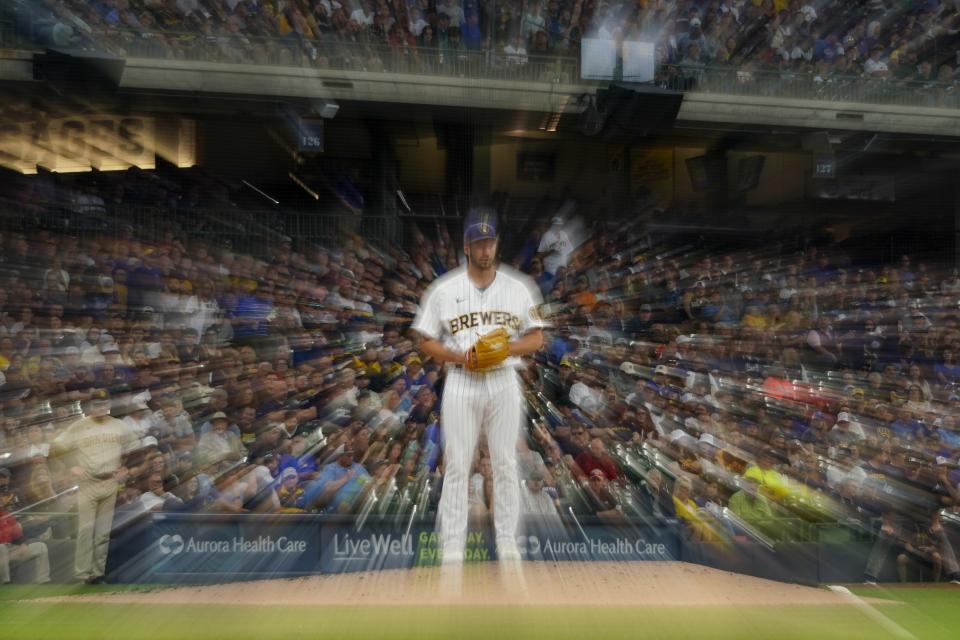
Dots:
(801, 86)
(492, 65)
(371, 55)
(20, 28)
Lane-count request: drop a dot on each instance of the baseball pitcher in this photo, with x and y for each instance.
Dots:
(480, 318)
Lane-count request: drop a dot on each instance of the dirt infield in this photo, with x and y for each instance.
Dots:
(566, 583)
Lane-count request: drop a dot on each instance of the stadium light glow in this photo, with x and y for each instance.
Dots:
(551, 120)
(403, 200)
(70, 170)
(273, 200)
(300, 183)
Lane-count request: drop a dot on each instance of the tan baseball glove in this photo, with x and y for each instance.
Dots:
(490, 350)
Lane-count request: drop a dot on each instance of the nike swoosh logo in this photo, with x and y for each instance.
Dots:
(459, 300)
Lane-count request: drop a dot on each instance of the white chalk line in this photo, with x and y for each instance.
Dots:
(872, 613)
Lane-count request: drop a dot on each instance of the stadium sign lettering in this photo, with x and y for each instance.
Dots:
(174, 545)
(428, 548)
(78, 143)
(564, 548)
(433, 538)
(532, 545)
(642, 547)
(344, 547)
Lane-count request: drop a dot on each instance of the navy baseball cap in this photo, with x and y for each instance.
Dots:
(481, 224)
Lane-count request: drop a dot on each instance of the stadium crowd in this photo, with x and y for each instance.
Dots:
(828, 42)
(724, 393)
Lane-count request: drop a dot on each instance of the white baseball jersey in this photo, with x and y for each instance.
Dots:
(455, 312)
(555, 240)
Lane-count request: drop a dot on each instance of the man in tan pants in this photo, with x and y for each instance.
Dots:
(92, 448)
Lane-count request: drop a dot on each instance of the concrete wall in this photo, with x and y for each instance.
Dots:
(586, 169)
(532, 96)
(421, 164)
(583, 168)
(207, 77)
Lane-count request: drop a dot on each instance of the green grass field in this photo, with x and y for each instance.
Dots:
(923, 612)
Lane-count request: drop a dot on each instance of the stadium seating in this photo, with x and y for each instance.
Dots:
(818, 49)
(775, 394)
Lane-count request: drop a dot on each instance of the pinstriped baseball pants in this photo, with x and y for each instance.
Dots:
(472, 402)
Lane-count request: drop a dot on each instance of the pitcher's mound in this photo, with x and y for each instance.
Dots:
(538, 583)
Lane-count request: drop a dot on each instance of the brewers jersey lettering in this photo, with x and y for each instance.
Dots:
(456, 313)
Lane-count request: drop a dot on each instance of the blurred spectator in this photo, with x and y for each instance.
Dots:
(515, 51)
(338, 486)
(745, 355)
(596, 457)
(749, 504)
(157, 498)
(289, 491)
(15, 548)
(171, 425)
(603, 503)
(219, 446)
(453, 11)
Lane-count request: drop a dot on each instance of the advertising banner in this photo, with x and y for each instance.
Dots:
(187, 548)
(193, 547)
(183, 548)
